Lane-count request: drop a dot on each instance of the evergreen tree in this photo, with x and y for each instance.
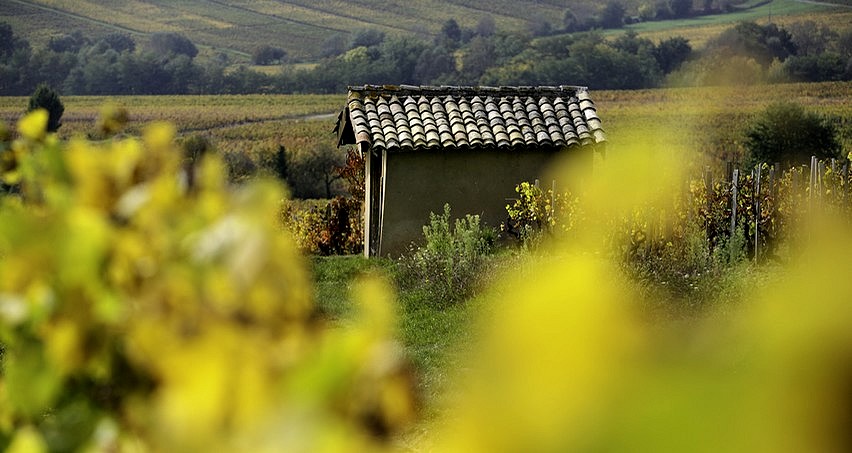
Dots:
(46, 98)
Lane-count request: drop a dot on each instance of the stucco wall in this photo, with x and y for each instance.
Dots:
(472, 182)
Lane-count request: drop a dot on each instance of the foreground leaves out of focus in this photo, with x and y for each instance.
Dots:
(568, 361)
(139, 312)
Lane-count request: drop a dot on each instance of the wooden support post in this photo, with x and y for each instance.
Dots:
(812, 184)
(708, 188)
(735, 176)
(757, 210)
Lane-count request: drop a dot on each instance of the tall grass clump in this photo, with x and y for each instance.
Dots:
(451, 258)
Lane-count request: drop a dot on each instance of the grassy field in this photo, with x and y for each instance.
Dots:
(699, 30)
(434, 338)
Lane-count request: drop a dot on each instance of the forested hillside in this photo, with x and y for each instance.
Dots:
(174, 48)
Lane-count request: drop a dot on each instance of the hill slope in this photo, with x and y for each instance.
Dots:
(299, 26)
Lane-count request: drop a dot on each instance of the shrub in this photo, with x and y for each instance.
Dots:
(332, 228)
(452, 258)
(786, 133)
(240, 166)
(537, 212)
(46, 98)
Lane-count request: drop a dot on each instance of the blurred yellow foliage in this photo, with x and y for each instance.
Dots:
(569, 362)
(139, 313)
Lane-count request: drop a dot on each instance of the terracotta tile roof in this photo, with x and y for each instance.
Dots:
(405, 118)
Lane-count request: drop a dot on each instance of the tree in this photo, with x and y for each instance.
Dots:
(451, 32)
(486, 26)
(478, 58)
(811, 38)
(367, 38)
(266, 55)
(786, 133)
(9, 43)
(540, 26)
(761, 42)
(120, 42)
(45, 98)
(312, 172)
(68, 43)
(432, 64)
(681, 8)
(333, 46)
(828, 66)
(612, 15)
(174, 43)
(671, 53)
(570, 22)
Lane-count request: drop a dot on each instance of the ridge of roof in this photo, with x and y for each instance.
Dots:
(462, 90)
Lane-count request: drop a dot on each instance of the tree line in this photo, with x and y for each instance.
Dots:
(166, 64)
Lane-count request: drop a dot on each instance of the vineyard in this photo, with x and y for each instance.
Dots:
(303, 26)
(257, 124)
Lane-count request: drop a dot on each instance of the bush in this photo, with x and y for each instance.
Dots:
(332, 228)
(240, 166)
(537, 212)
(786, 133)
(46, 98)
(452, 258)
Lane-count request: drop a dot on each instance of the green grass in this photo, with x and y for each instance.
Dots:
(700, 29)
(433, 338)
(774, 8)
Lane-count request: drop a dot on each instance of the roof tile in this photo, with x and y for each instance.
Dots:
(409, 117)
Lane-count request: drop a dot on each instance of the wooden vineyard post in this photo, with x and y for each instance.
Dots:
(820, 182)
(756, 209)
(811, 184)
(708, 188)
(734, 178)
(776, 169)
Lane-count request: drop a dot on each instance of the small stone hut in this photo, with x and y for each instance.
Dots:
(467, 146)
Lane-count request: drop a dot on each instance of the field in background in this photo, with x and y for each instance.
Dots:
(299, 26)
(302, 26)
(252, 124)
(699, 30)
(709, 120)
